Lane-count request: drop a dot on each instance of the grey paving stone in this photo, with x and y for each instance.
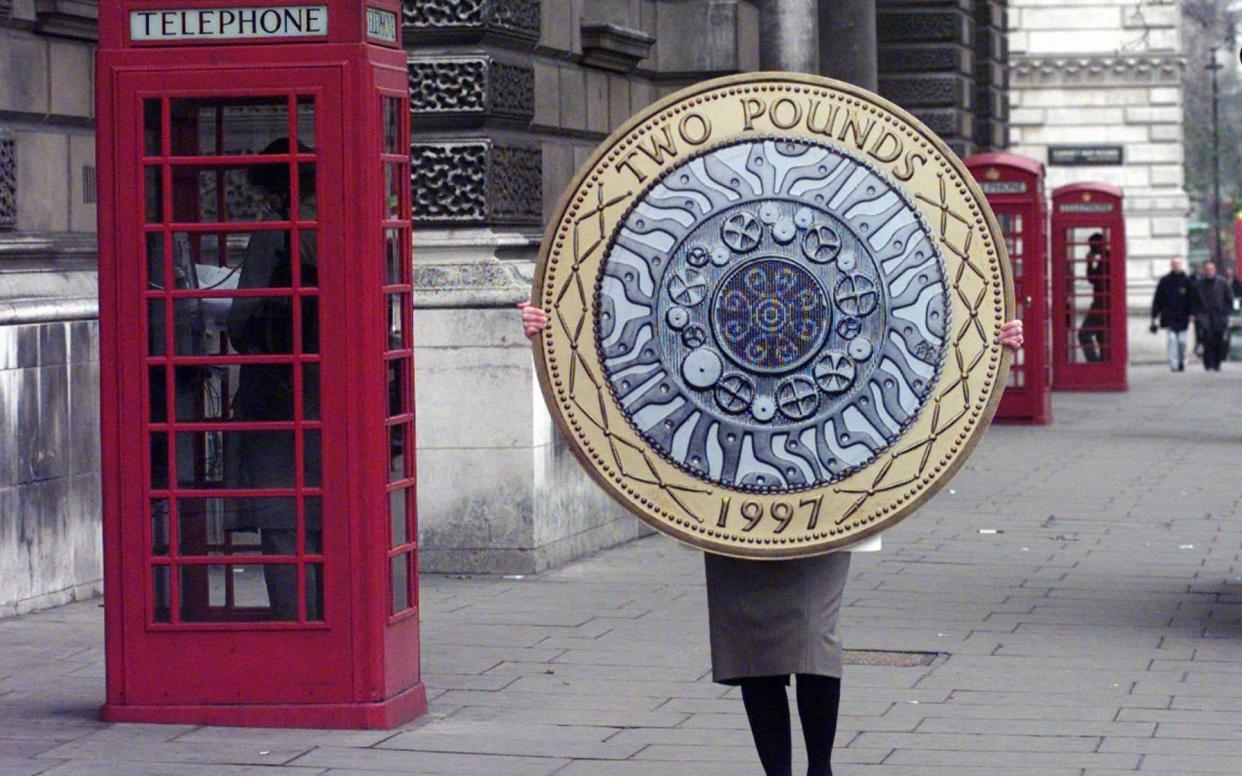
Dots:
(1085, 620)
(430, 763)
(138, 750)
(112, 767)
(1033, 762)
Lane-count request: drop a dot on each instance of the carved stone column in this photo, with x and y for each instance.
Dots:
(789, 35)
(847, 43)
(477, 184)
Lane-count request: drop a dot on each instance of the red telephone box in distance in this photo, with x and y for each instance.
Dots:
(257, 362)
(1014, 186)
(1089, 338)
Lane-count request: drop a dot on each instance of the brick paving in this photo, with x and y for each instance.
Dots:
(1079, 584)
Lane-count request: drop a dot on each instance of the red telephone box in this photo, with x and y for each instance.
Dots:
(1014, 187)
(1088, 288)
(257, 362)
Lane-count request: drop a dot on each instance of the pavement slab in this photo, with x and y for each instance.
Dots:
(1077, 589)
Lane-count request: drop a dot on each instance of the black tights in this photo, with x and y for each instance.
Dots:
(767, 709)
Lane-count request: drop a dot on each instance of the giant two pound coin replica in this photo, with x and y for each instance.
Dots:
(774, 305)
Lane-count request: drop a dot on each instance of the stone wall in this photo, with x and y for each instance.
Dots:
(50, 525)
(1109, 72)
(49, 365)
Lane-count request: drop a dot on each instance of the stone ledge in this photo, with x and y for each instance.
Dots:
(531, 560)
(81, 592)
(613, 47)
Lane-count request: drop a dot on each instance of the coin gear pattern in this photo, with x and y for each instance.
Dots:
(803, 236)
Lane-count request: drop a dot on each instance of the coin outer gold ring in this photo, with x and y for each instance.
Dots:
(961, 402)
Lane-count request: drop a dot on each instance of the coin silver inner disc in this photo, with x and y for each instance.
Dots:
(771, 314)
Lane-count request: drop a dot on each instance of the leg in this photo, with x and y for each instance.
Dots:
(1209, 348)
(819, 697)
(767, 710)
(281, 580)
(1181, 351)
(1087, 340)
(1171, 348)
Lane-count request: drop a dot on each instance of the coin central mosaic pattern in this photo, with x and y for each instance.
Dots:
(771, 315)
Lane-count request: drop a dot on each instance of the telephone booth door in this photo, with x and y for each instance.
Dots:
(257, 379)
(1088, 288)
(1014, 186)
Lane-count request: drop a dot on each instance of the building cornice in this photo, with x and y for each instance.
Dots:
(1097, 68)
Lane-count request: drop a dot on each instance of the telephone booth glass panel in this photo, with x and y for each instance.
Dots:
(242, 530)
(396, 267)
(1089, 288)
(1014, 189)
(232, 379)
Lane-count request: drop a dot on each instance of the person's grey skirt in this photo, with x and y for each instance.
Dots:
(769, 618)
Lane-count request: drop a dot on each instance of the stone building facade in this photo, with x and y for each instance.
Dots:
(49, 365)
(1087, 72)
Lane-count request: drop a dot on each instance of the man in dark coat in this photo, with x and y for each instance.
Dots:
(1171, 309)
(1213, 303)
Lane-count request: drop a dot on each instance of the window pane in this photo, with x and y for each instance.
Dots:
(392, 125)
(310, 324)
(257, 192)
(306, 123)
(396, 513)
(392, 190)
(161, 593)
(314, 592)
(239, 593)
(155, 327)
(392, 257)
(397, 305)
(261, 325)
(251, 392)
(396, 452)
(151, 119)
(248, 460)
(155, 261)
(314, 525)
(159, 527)
(400, 583)
(159, 460)
(307, 209)
(154, 194)
(238, 125)
(313, 469)
(156, 394)
(398, 392)
(310, 391)
(232, 526)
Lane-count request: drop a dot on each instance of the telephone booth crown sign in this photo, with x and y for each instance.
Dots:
(1089, 288)
(1014, 187)
(257, 362)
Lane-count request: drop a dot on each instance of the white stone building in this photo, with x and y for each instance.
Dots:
(1109, 72)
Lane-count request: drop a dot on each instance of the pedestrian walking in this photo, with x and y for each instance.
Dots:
(770, 619)
(1213, 303)
(1171, 309)
(1235, 285)
(1093, 335)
